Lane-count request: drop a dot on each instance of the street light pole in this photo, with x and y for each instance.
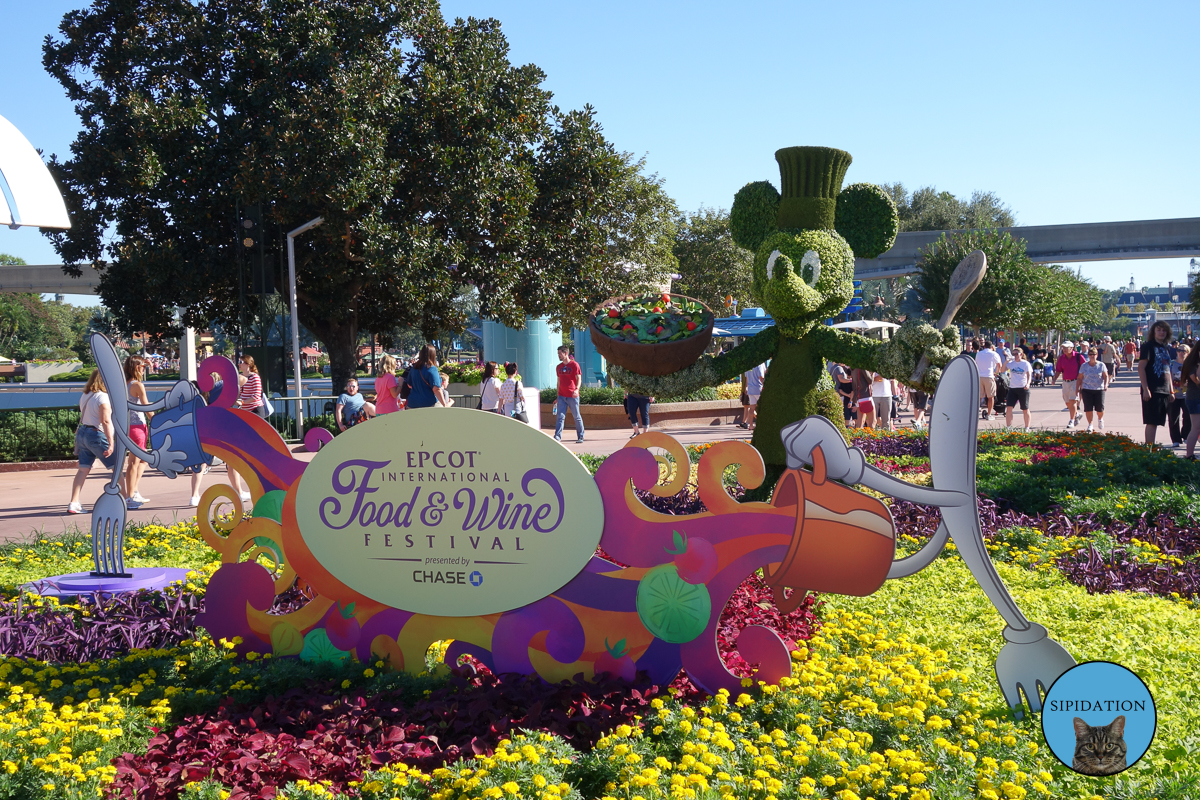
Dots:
(291, 253)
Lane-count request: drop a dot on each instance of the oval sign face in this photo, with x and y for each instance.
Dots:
(449, 512)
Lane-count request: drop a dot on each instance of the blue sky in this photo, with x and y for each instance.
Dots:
(1070, 112)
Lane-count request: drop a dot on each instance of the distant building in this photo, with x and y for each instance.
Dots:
(1146, 295)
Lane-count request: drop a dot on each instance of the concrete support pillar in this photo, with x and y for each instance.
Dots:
(187, 355)
(533, 348)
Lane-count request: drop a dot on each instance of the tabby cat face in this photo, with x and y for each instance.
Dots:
(1100, 749)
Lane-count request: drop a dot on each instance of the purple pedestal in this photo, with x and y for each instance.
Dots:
(78, 583)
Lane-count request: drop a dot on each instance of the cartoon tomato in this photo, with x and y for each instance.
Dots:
(695, 559)
(616, 663)
(341, 627)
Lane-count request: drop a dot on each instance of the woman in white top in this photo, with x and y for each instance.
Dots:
(94, 438)
(511, 392)
(489, 388)
(1020, 375)
(881, 393)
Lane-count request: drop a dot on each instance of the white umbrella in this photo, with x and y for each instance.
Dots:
(865, 325)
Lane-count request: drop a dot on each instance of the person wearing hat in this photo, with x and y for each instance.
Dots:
(1067, 366)
(1109, 356)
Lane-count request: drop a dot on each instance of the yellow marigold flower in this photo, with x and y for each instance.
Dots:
(510, 787)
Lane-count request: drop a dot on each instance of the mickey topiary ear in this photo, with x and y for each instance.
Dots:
(867, 219)
(753, 216)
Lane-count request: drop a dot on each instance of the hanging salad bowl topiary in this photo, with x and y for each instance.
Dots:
(653, 334)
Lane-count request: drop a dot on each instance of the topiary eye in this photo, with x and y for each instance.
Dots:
(810, 268)
(771, 263)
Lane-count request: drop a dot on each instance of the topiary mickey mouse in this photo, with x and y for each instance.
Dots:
(804, 243)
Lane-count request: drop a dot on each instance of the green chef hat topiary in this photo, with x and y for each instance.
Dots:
(811, 178)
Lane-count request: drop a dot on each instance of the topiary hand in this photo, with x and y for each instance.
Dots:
(899, 357)
(698, 375)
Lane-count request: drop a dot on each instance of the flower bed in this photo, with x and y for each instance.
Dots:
(886, 699)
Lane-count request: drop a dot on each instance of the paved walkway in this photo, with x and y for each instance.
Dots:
(36, 501)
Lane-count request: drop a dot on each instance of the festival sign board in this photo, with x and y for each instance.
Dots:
(460, 525)
(447, 512)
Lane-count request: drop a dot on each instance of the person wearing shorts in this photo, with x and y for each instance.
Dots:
(920, 401)
(94, 439)
(1091, 383)
(863, 403)
(352, 408)
(1154, 374)
(1179, 421)
(1109, 356)
(139, 432)
(881, 397)
(755, 377)
(1191, 397)
(1068, 365)
(1020, 376)
(988, 361)
(1131, 350)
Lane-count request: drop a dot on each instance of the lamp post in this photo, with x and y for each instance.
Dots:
(291, 253)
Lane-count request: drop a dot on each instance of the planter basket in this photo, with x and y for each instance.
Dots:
(651, 360)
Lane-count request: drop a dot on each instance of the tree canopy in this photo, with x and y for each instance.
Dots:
(1062, 300)
(1007, 289)
(927, 209)
(1015, 292)
(711, 265)
(433, 160)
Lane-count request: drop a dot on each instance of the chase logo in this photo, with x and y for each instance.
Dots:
(476, 578)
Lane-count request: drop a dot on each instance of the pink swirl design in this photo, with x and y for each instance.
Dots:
(224, 368)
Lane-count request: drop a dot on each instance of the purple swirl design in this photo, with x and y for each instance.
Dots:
(702, 659)
(515, 630)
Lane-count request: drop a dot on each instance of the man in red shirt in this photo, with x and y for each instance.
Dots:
(569, 378)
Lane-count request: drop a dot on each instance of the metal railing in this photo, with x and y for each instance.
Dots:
(48, 434)
(319, 412)
(38, 434)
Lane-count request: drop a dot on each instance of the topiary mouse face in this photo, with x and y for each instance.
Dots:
(803, 277)
(806, 238)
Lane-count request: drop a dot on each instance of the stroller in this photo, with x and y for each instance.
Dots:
(1039, 372)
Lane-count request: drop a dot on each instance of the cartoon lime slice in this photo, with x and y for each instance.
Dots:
(671, 608)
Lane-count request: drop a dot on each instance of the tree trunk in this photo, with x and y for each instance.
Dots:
(341, 340)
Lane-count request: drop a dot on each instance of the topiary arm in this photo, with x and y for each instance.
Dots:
(707, 371)
(895, 359)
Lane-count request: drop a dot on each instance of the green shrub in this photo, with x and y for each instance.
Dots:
(468, 373)
(326, 421)
(1123, 504)
(42, 435)
(81, 374)
(703, 394)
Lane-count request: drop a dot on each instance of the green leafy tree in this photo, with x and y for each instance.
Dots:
(711, 265)
(927, 209)
(1140, 308)
(433, 160)
(1062, 300)
(1007, 291)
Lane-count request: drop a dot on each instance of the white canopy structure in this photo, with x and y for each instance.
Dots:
(28, 194)
(865, 325)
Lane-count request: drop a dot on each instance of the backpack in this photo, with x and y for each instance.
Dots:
(405, 388)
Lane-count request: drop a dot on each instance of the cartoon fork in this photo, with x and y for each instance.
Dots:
(1030, 660)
